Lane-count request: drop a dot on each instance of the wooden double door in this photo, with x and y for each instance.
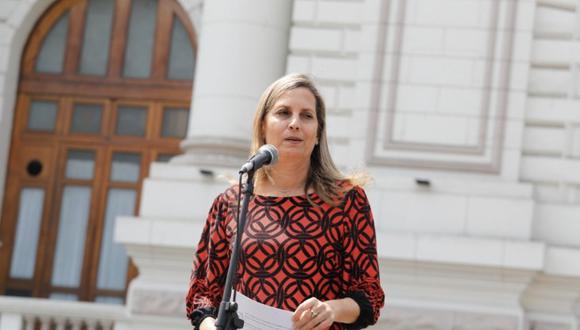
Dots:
(104, 90)
(65, 188)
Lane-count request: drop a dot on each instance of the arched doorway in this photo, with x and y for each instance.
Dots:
(104, 90)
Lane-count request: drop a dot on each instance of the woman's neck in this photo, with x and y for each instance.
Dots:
(284, 179)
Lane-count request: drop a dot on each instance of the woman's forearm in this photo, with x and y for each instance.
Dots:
(346, 310)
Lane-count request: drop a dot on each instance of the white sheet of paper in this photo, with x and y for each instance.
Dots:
(258, 316)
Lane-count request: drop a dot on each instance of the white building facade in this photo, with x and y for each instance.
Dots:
(463, 111)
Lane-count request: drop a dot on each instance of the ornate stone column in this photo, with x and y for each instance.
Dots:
(243, 48)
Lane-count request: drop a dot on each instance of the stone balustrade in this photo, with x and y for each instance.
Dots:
(27, 314)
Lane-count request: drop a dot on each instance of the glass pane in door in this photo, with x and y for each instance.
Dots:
(175, 122)
(72, 229)
(131, 120)
(140, 41)
(86, 118)
(42, 116)
(181, 59)
(125, 167)
(51, 55)
(27, 230)
(97, 37)
(80, 164)
(114, 260)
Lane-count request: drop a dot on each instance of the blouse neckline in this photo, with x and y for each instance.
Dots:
(304, 196)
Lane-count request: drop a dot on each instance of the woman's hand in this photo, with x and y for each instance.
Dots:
(313, 314)
(207, 324)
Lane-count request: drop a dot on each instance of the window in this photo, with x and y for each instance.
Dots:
(105, 90)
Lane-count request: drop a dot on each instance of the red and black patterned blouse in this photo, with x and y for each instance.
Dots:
(291, 250)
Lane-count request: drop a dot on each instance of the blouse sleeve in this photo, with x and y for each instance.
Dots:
(361, 271)
(210, 264)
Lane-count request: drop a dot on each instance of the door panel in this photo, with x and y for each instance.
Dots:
(103, 92)
(72, 232)
(27, 232)
(113, 261)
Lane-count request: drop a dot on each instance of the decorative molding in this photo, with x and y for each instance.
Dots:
(397, 318)
(539, 325)
(213, 151)
(157, 302)
(553, 294)
(494, 96)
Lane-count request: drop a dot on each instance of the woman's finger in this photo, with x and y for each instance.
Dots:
(306, 305)
(320, 316)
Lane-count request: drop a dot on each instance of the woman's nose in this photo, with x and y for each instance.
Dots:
(295, 122)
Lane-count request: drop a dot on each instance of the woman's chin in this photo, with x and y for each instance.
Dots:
(292, 153)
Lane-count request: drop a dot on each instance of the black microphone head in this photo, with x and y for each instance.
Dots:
(270, 149)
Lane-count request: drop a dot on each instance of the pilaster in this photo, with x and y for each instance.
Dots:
(242, 50)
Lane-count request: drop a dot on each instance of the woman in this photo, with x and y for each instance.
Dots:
(309, 244)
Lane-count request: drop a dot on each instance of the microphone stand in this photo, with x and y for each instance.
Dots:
(227, 315)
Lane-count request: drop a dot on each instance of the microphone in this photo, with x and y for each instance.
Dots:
(266, 155)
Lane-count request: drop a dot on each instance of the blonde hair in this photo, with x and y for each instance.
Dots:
(324, 177)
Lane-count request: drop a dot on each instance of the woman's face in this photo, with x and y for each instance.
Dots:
(291, 125)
